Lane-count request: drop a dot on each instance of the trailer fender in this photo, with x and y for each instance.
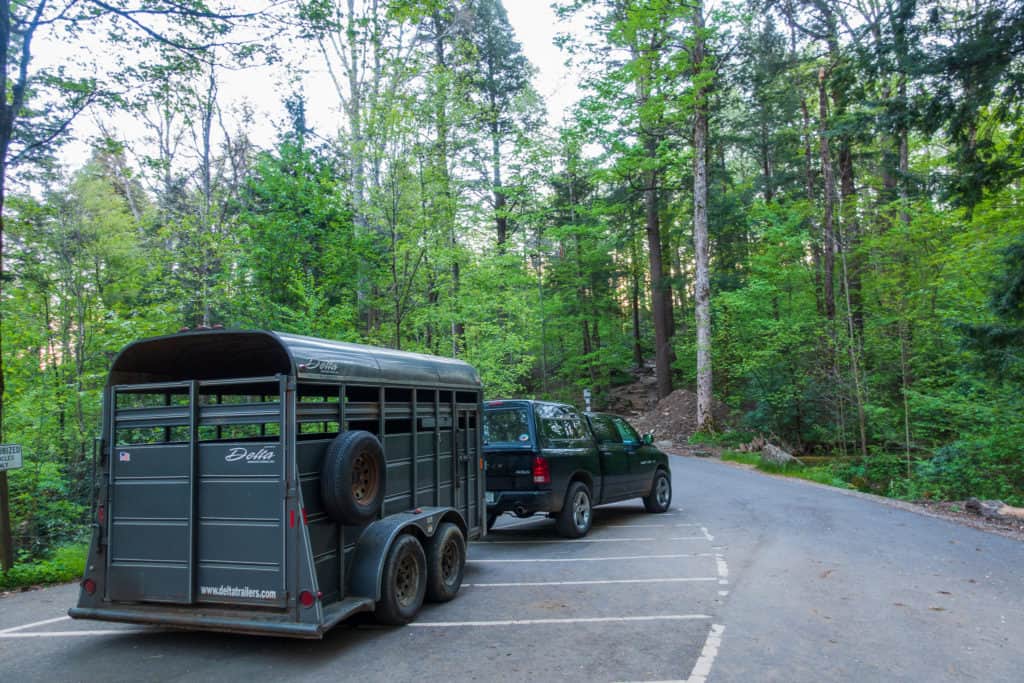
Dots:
(375, 542)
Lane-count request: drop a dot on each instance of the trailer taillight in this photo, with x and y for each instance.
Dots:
(541, 471)
(89, 586)
(101, 513)
(306, 599)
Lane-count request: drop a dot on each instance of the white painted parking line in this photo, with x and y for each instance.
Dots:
(592, 582)
(595, 559)
(688, 538)
(689, 524)
(723, 569)
(632, 526)
(34, 623)
(578, 620)
(574, 540)
(702, 669)
(64, 634)
(704, 530)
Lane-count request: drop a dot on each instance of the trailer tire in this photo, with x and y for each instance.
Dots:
(446, 563)
(352, 479)
(404, 584)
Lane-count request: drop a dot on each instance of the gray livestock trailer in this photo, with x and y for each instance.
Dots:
(267, 483)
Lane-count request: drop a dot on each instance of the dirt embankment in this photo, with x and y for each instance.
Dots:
(673, 418)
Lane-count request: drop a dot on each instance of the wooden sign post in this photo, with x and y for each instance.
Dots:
(10, 459)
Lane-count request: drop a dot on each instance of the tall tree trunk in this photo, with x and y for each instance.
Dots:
(766, 163)
(903, 145)
(702, 298)
(829, 182)
(855, 365)
(850, 233)
(458, 330)
(662, 350)
(680, 291)
(816, 256)
(205, 267)
(634, 300)
(905, 389)
(500, 200)
(669, 297)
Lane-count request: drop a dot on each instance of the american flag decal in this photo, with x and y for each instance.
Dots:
(124, 456)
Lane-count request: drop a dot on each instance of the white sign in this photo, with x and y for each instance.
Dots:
(586, 398)
(10, 457)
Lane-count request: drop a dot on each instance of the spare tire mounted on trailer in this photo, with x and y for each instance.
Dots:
(352, 480)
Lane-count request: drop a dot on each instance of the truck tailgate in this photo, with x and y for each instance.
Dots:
(509, 470)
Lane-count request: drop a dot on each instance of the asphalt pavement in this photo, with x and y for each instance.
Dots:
(746, 578)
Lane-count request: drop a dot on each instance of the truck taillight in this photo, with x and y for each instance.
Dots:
(541, 471)
(101, 513)
(89, 586)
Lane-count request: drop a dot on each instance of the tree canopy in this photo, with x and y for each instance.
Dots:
(817, 200)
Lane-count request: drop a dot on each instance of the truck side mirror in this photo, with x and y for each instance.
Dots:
(648, 439)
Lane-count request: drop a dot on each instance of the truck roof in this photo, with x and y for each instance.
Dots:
(222, 354)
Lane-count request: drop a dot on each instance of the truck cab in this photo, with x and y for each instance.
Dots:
(548, 457)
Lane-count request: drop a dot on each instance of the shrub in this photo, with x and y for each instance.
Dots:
(727, 439)
(66, 564)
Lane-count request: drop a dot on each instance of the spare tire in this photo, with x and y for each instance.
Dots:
(352, 478)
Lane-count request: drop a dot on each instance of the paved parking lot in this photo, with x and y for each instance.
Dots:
(634, 601)
(750, 578)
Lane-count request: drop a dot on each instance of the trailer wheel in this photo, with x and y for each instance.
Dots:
(352, 478)
(446, 561)
(404, 584)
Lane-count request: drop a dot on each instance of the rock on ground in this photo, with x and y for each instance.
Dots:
(775, 455)
(985, 508)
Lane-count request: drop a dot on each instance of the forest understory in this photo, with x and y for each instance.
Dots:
(800, 220)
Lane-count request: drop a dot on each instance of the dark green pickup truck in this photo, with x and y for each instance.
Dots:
(548, 457)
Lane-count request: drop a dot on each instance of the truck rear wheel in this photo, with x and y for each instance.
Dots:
(577, 513)
(446, 561)
(404, 584)
(352, 480)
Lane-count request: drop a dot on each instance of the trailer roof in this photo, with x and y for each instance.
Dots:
(229, 354)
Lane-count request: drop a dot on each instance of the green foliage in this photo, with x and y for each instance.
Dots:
(727, 439)
(821, 474)
(439, 216)
(66, 564)
(746, 458)
(300, 249)
(45, 507)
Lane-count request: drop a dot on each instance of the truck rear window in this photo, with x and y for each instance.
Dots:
(511, 425)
